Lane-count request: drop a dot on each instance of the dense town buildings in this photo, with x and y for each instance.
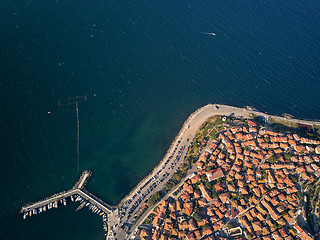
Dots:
(249, 185)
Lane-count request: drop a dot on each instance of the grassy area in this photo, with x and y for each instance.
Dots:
(283, 122)
(177, 191)
(213, 134)
(282, 125)
(205, 132)
(279, 127)
(209, 124)
(149, 219)
(316, 129)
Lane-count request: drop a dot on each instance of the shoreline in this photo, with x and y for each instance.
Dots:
(194, 114)
(135, 199)
(130, 206)
(166, 156)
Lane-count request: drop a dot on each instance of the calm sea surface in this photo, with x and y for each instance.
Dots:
(145, 65)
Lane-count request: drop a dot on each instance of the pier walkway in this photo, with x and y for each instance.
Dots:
(94, 200)
(77, 189)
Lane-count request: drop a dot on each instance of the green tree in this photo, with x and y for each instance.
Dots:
(168, 185)
(197, 216)
(203, 179)
(208, 185)
(273, 159)
(153, 199)
(287, 156)
(208, 169)
(229, 225)
(177, 176)
(294, 179)
(215, 195)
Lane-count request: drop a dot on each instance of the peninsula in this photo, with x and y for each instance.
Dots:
(230, 173)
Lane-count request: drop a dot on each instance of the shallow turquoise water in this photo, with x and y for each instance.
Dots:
(145, 66)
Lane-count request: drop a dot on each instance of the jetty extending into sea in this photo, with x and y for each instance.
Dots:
(77, 189)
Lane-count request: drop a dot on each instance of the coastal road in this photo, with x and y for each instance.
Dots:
(167, 196)
(131, 205)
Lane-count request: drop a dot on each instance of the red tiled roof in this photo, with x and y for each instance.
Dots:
(214, 174)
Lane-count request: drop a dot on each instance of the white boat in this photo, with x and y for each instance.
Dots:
(207, 33)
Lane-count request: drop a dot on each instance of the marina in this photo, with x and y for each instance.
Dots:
(77, 193)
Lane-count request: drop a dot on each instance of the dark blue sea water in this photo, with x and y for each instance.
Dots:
(145, 66)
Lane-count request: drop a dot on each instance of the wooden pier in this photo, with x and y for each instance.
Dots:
(77, 189)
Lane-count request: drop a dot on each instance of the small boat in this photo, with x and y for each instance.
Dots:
(207, 33)
(71, 197)
(24, 216)
(30, 213)
(64, 202)
(44, 208)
